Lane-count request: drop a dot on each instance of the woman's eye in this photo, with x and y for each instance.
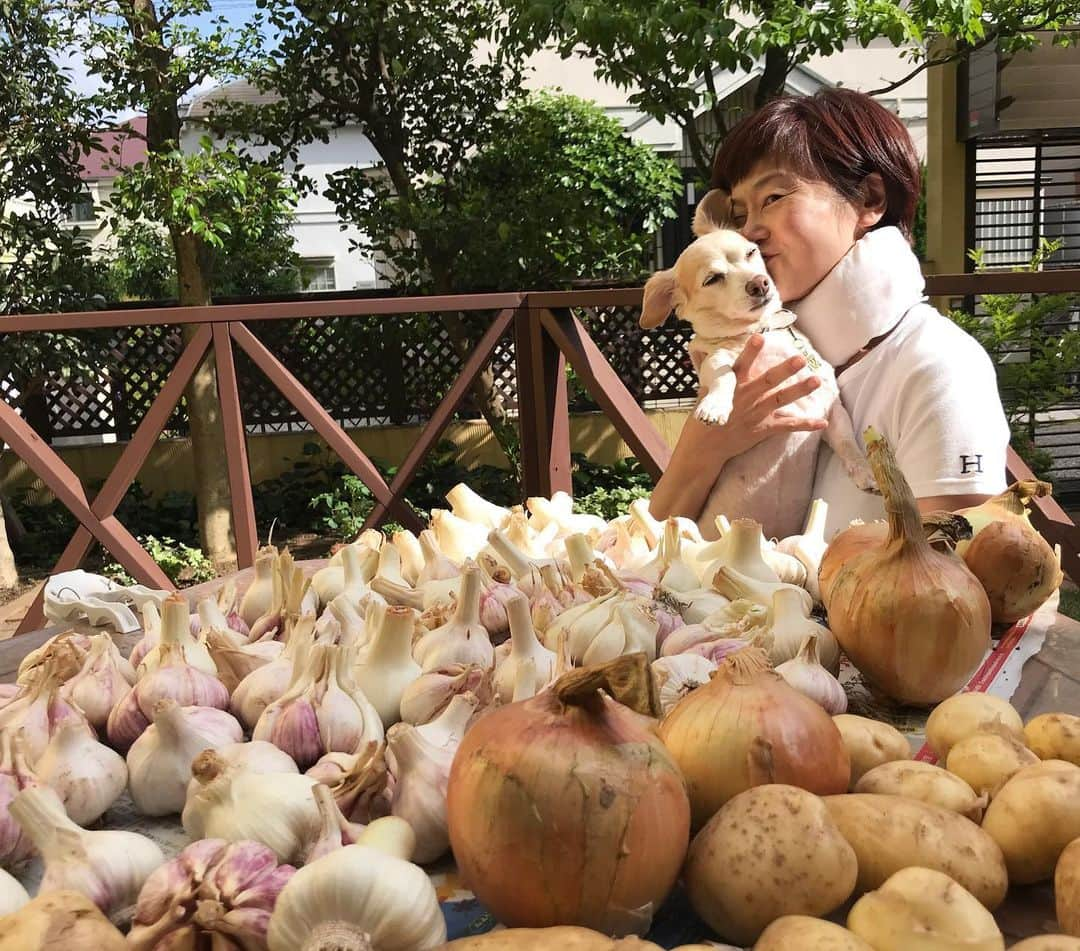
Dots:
(770, 199)
(712, 279)
(738, 221)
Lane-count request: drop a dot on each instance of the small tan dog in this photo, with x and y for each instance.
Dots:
(721, 287)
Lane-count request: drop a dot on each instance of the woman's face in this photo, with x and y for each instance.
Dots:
(802, 227)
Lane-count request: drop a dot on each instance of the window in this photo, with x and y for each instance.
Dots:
(82, 210)
(318, 274)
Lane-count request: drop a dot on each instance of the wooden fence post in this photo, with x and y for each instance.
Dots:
(543, 407)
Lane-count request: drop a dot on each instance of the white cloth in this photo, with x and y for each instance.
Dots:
(928, 387)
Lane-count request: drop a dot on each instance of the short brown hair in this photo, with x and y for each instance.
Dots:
(837, 136)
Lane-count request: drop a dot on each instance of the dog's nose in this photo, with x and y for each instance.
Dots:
(758, 286)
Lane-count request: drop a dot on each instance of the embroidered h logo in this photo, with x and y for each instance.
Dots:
(971, 463)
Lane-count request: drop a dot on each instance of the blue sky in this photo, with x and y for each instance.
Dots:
(235, 11)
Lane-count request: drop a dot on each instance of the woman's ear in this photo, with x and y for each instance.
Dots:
(874, 202)
(713, 212)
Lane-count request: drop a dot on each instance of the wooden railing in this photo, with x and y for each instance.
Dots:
(547, 334)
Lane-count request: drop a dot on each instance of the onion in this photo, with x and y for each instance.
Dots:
(746, 727)
(565, 809)
(1016, 566)
(914, 620)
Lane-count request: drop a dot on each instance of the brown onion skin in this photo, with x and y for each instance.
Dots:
(1016, 567)
(795, 742)
(852, 541)
(540, 846)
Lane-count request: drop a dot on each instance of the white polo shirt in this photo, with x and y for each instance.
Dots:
(929, 387)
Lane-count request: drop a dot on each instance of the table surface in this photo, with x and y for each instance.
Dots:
(1050, 682)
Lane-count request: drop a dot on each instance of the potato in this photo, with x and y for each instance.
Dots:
(919, 909)
(927, 783)
(870, 743)
(986, 760)
(768, 852)
(1067, 889)
(889, 833)
(961, 715)
(562, 938)
(808, 934)
(1048, 942)
(1033, 817)
(63, 919)
(1055, 736)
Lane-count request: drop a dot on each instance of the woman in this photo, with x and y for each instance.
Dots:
(826, 186)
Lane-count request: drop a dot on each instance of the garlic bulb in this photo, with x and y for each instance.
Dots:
(788, 568)
(560, 509)
(160, 760)
(15, 776)
(460, 540)
(259, 596)
(733, 585)
(276, 809)
(677, 676)
(28, 666)
(63, 655)
(104, 678)
(255, 756)
(151, 625)
(669, 569)
(358, 897)
(214, 894)
(495, 594)
(335, 831)
(235, 657)
(176, 630)
(12, 895)
(86, 775)
(809, 547)
(410, 554)
(108, 867)
(629, 551)
(806, 674)
(360, 782)
(427, 696)
(173, 679)
(468, 505)
(789, 627)
(386, 667)
(741, 547)
(266, 684)
(524, 645)
(696, 604)
(437, 567)
(358, 564)
(419, 759)
(463, 640)
(738, 618)
(322, 711)
(350, 617)
(390, 565)
(625, 626)
(38, 710)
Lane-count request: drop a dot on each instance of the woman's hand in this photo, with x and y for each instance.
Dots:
(756, 414)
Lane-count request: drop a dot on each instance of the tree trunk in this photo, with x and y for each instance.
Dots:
(212, 494)
(9, 574)
(774, 77)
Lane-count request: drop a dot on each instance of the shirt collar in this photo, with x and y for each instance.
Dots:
(863, 296)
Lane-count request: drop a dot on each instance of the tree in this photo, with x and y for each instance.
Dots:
(669, 52)
(150, 57)
(44, 131)
(557, 193)
(424, 81)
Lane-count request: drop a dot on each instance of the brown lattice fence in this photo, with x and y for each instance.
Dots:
(367, 371)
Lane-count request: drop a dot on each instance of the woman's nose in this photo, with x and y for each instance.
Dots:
(753, 229)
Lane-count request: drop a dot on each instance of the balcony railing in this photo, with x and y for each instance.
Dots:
(532, 335)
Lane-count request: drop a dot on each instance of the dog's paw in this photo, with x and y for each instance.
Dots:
(712, 412)
(863, 477)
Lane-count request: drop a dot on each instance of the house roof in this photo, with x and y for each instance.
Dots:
(239, 90)
(120, 150)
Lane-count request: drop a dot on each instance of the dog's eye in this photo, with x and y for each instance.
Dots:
(713, 279)
(751, 253)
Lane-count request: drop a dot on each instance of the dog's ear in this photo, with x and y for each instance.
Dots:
(659, 298)
(713, 212)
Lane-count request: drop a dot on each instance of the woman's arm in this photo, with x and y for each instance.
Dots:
(702, 450)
